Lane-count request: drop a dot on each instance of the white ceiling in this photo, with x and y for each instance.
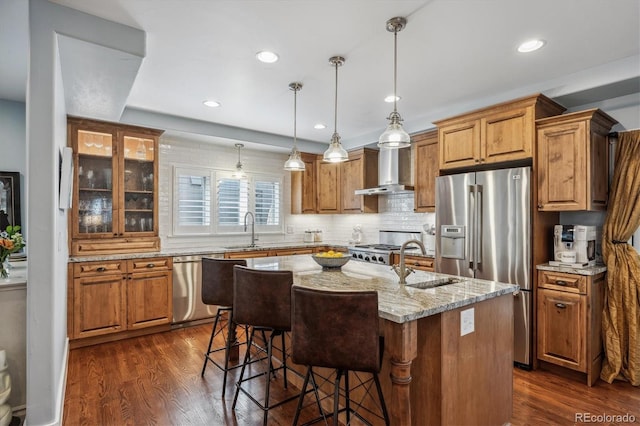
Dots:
(453, 56)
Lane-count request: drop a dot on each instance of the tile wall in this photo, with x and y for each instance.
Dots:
(395, 211)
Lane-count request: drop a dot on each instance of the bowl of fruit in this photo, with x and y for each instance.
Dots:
(331, 260)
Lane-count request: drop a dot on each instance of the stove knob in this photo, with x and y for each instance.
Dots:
(374, 259)
(355, 256)
(366, 259)
(360, 256)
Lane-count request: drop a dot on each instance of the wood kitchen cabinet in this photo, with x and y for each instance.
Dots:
(569, 321)
(115, 186)
(359, 172)
(335, 185)
(573, 161)
(303, 186)
(497, 134)
(425, 160)
(110, 300)
(420, 263)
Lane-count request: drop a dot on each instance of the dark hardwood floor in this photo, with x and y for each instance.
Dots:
(156, 380)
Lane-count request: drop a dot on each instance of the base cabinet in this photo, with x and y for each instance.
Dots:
(110, 299)
(569, 321)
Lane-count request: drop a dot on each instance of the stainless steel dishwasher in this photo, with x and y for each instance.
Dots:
(187, 290)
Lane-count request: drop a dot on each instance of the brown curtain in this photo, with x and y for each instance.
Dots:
(621, 314)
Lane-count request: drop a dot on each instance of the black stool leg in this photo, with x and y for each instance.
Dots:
(346, 396)
(268, 376)
(381, 397)
(336, 397)
(213, 332)
(301, 398)
(227, 349)
(244, 365)
(284, 360)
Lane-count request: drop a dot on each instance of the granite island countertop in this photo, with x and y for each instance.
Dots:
(396, 302)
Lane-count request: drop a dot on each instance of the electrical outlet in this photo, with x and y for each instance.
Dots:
(467, 321)
(289, 229)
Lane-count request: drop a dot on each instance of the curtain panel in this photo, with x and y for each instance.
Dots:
(621, 313)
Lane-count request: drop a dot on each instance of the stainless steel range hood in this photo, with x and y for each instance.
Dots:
(394, 173)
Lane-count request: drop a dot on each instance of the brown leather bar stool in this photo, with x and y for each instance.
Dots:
(262, 300)
(217, 289)
(337, 330)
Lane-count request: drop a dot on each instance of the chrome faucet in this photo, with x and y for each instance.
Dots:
(253, 228)
(402, 269)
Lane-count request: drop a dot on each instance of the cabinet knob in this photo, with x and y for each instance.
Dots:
(560, 305)
(477, 161)
(151, 265)
(561, 282)
(539, 206)
(101, 269)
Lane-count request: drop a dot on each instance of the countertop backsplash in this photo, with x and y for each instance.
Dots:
(395, 210)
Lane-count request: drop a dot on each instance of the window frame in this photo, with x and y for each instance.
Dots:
(214, 228)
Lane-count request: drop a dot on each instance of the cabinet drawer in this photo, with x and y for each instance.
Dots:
(562, 282)
(417, 262)
(149, 264)
(86, 269)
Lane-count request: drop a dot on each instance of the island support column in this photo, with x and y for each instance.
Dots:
(401, 347)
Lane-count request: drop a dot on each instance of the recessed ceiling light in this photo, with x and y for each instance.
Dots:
(392, 98)
(320, 126)
(531, 45)
(267, 57)
(212, 104)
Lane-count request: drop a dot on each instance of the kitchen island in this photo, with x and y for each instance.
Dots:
(448, 354)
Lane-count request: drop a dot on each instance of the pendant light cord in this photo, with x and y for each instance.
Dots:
(295, 106)
(395, 70)
(335, 109)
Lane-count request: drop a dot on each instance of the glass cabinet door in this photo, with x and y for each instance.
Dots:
(139, 184)
(95, 183)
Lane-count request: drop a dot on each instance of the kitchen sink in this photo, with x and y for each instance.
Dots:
(242, 246)
(436, 283)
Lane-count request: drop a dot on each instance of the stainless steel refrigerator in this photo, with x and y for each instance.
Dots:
(483, 230)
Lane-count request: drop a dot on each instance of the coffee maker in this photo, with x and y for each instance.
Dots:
(574, 245)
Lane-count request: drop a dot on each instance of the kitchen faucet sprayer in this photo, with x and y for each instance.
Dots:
(402, 269)
(253, 228)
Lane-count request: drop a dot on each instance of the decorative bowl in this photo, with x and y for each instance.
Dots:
(329, 263)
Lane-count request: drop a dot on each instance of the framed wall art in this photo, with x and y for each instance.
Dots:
(9, 199)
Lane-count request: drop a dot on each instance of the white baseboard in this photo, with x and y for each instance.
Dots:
(62, 387)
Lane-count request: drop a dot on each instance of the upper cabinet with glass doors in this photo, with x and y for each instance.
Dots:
(115, 188)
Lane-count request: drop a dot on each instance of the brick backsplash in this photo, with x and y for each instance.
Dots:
(395, 210)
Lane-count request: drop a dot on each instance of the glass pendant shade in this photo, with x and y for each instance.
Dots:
(335, 153)
(394, 136)
(239, 172)
(294, 163)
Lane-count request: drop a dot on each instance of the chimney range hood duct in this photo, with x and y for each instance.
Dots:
(394, 173)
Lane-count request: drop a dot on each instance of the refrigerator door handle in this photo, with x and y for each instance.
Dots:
(479, 226)
(470, 237)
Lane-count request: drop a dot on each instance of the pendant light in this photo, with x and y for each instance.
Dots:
(294, 163)
(336, 153)
(395, 136)
(239, 172)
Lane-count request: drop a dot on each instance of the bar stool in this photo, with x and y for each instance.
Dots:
(217, 289)
(337, 330)
(262, 300)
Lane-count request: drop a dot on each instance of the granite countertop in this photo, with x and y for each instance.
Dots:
(591, 270)
(205, 251)
(396, 302)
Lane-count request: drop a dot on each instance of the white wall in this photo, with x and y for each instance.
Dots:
(395, 211)
(13, 141)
